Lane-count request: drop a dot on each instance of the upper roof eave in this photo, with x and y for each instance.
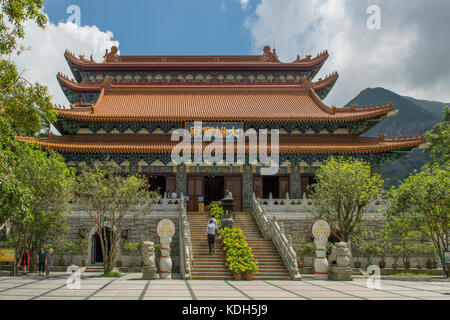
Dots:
(212, 62)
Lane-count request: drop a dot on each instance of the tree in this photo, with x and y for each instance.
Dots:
(344, 188)
(423, 203)
(47, 178)
(439, 140)
(27, 107)
(12, 16)
(34, 183)
(402, 237)
(113, 201)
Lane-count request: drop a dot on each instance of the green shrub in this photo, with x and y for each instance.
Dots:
(239, 256)
(131, 246)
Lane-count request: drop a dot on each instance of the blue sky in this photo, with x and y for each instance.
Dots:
(165, 26)
(406, 54)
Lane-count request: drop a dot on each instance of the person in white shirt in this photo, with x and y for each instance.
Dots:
(211, 229)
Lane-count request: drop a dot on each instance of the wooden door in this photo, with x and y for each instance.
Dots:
(171, 184)
(304, 185)
(234, 183)
(257, 186)
(195, 189)
(283, 185)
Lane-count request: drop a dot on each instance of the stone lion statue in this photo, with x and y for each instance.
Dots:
(148, 254)
(341, 254)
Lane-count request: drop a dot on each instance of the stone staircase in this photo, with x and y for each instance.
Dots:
(271, 265)
(206, 266)
(94, 268)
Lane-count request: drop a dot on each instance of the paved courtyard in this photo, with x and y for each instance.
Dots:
(129, 287)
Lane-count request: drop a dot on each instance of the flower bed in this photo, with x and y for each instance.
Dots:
(239, 256)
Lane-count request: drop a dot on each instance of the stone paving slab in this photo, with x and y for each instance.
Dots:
(130, 287)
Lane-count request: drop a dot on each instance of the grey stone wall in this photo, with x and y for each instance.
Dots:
(145, 226)
(181, 179)
(247, 187)
(295, 181)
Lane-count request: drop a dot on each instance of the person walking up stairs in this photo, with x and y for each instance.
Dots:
(206, 265)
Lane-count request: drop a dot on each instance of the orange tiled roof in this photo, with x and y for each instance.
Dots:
(195, 60)
(162, 144)
(318, 85)
(216, 103)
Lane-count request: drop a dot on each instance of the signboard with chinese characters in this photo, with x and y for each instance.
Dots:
(8, 254)
(165, 228)
(210, 130)
(321, 229)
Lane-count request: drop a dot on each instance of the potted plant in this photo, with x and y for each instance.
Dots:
(298, 246)
(250, 265)
(60, 251)
(84, 247)
(309, 249)
(397, 252)
(372, 250)
(71, 248)
(383, 245)
(131, 247)
(357, 246)
(418, 250)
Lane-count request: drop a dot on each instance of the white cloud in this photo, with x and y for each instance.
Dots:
(45, 58)
(408, 55)
(244, 3)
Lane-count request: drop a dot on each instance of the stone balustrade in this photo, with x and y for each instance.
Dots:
(304, 206)
(186, 254)
(271, 229)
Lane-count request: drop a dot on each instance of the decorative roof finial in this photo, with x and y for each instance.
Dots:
(107, 83)
(270, 56)
(306, 83)
(112, 56)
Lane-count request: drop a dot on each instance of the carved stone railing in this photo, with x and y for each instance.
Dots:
(186, 255)
(165, 204)
(305, 205)
(274, 231)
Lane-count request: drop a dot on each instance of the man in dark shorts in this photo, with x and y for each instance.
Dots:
(211, 230)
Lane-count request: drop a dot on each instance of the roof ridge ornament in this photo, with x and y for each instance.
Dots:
(306, 83)
(111, 56)
(270, 56)
(107, 84)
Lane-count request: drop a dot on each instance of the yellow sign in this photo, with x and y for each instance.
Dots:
(8, 254)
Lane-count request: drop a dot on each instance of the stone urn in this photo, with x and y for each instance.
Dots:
(227, 204)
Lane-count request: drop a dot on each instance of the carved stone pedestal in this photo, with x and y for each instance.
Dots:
(339, 273)
(149, 273)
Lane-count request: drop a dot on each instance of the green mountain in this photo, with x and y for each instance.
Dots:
(414, 117)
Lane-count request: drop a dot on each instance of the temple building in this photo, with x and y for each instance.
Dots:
(124, 109)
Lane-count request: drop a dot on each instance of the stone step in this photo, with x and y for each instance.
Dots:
(211, 276)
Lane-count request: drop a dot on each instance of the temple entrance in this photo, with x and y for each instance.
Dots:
(157, 184)
(214, 188)
(97, 255)
(265, 185)
(162, 184)
(270, 185)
